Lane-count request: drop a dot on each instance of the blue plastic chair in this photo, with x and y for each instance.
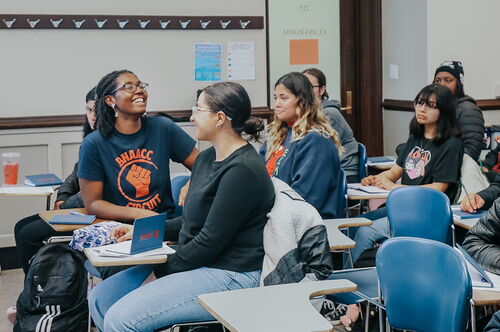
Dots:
(425, 285)
(362, 161)
(420, 212)
(177, 183)
(412, 211)
(342, 207)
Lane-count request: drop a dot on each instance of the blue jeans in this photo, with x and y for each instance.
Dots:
(356, 252)
(120, 304)
(366, 237)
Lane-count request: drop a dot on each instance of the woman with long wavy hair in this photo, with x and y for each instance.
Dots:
(302, 149)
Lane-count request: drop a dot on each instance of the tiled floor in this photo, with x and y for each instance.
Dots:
(11, 284)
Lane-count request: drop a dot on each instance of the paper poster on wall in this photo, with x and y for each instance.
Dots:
(207, 62)
(304, 51)
(241, 61)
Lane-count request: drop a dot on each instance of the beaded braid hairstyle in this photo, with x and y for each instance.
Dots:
(105, 121)
(310, 115)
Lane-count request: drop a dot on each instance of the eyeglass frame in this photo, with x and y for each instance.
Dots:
(196, 109)
(424, 104)
(136, 85)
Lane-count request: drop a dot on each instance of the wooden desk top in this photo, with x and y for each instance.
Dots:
(26, 191)
(273, 308)
(336, 238)
(96, 260)
(466, 223)
(483, 297)
(47, 215)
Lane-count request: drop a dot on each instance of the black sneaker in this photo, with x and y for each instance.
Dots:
(332, 311)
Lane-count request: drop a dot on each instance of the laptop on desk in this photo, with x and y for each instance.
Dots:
(147, 235)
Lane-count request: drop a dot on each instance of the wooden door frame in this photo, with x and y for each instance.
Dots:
(361, 69)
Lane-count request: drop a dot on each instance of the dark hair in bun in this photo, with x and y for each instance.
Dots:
(232, 99)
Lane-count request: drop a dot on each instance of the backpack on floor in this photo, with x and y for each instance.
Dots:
(55, 292)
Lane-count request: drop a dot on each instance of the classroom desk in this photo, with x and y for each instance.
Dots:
(47, 215)
(273, 308)
(384, 165)
(337, 239)
(483, 297)
(96, 260)
(358, 195)
(28, 191)
(465, 223)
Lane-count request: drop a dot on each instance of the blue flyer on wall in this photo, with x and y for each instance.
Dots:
(207, 62)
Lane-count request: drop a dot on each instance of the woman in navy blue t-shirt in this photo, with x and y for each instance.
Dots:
(124, 165)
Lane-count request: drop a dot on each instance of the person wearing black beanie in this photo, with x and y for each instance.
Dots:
(469, 115)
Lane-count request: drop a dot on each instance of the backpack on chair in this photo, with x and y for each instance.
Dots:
(55, 292)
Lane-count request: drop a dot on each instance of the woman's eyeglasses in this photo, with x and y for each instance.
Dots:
(195, 110)
(132, 87)
(423, 103)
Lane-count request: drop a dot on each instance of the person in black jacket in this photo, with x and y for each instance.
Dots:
(483, 199)
(31, 231)
(482, 241)
(68, 194)
(469, 115)
(494, 324)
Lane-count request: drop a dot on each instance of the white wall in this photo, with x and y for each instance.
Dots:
(48, 72)
(419, 34)
(403, 44)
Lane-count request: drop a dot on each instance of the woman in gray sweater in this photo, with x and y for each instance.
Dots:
(349, 158)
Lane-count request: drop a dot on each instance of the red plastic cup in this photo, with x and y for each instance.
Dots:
(10, 161)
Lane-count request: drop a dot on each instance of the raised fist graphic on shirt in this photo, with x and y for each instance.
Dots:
(140, 178)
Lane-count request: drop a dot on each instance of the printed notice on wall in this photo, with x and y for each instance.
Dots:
(207, 62)
(240, 61)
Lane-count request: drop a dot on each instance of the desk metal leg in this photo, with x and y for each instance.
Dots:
(48, 202)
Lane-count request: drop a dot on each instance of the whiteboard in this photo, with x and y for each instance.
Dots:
(292, 20)
(49, 72)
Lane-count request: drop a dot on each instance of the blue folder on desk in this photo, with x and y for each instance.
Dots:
(147, 235)
(71, 219)
(466, 215)
(375, 160)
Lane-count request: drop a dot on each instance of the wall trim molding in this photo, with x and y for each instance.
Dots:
(407, 105)
(78, 119)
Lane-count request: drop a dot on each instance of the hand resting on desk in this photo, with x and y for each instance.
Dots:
(122, 233)
(378, 181)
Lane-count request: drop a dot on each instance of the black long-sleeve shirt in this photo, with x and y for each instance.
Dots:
(224, 214)
(69, 192)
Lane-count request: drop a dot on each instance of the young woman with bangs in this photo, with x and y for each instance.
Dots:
(431, 157)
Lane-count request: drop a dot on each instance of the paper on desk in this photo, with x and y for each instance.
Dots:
(26, 190)
(368, 189)
(122, 249)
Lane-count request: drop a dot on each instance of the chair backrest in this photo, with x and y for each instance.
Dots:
(362, 159)
(420, 212)
(425, 285)
(177, 183)
(342, 206)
